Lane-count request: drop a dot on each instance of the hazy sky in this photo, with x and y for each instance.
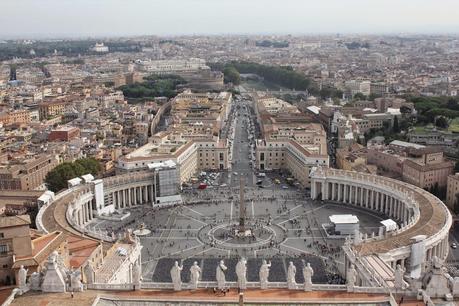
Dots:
(58, 18)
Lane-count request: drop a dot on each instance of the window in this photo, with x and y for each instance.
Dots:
(3, 249)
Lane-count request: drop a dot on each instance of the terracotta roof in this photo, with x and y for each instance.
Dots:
(42, 247)
(80, 249)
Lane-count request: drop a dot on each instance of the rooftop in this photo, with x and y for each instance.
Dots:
(199, 296)
(14, 221)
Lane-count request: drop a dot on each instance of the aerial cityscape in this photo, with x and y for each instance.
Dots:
(264, 165)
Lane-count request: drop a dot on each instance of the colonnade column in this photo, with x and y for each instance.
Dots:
(366, 197)
(346, 192)
(152, 194)
(371, 198)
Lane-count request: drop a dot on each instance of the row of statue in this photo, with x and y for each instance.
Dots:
(54, 277)
(241, 273)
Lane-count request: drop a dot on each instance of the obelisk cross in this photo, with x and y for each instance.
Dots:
(241, 206)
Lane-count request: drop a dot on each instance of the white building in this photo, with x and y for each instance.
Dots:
(100, 48)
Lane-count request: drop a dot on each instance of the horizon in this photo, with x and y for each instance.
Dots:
(65, 19)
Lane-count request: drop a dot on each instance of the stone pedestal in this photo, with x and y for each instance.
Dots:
(291, 285)
(53, 281)
(264, 285)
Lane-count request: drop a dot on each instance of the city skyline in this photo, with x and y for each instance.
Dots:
(66, 19)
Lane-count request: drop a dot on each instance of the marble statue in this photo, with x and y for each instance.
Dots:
(264, 274)
(220, 275)
(75, 281)
(89, 274)
(291, 273)
(398, 277)
(241, 272)
(22, 277)
(35, 280)
(437, 285)
(136, 275)
(195, 275)
(176, 277)
(308, 273)
(351, 277)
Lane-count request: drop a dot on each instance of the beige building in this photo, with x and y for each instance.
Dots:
(21, 116)
(291, 139)
(429, 170)
(190, 156)
(192, 140)
(20, 246)
(387, 160)
(26, 174)
(289, 155)
(354, 158)
(51, 109)
(452, 191)
(15, 241)
(201, 109)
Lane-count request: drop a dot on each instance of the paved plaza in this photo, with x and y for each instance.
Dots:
(291, 228)
(284, 223)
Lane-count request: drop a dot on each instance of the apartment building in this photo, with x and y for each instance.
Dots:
(64, 133)
(358, 86)
(208, 109)
(289, 155)
(290, 140)
(51, 109)
(452, 191)
(26, 173)
(429, 170)
(21, 116)
(190, 156)
(15, 241)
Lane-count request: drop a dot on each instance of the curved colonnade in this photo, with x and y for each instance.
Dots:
(104, 196)
(420, 215)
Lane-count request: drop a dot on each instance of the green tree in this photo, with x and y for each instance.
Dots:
(282, 76)
(435, 190)
(441, 122)
(456, 204)
(395, 127)
(231, 75)
(360, 96)
(373, 96)
(90, 165)
(456, 167)
(153, 86)
(57, 178)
